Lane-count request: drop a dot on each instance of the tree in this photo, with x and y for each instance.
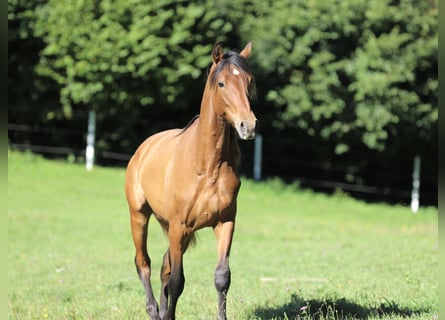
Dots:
(131, 53)
(25, 87)
(122, 58)
(350, 72)
(343, 83)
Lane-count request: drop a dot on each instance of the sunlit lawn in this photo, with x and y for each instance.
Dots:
(296, 254)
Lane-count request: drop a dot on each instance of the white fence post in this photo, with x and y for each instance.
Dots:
(416, 185)
(257, 157)
(89, 152)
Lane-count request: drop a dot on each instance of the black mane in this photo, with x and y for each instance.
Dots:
(188, 125)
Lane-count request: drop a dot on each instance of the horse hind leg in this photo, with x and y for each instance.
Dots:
(165, 276)
(139, 231)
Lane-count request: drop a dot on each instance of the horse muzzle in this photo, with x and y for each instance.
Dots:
(246, 129)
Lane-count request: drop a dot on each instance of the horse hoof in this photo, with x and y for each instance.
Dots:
(153, 312)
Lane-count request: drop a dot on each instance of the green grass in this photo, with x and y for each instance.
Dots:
(296, 254)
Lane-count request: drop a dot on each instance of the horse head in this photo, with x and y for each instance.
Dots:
(233, 85)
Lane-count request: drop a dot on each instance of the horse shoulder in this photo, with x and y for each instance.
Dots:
(228, 187)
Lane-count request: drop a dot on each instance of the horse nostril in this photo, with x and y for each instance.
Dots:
(242, 124)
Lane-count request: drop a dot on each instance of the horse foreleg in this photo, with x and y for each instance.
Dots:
(224, 234)
(176, 278)
(139, 226)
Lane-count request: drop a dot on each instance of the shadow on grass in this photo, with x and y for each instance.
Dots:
(298, 308)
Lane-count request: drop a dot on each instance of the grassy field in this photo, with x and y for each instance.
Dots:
(296, 254)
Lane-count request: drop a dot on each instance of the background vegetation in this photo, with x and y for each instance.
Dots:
(296, 254)
(348, 89)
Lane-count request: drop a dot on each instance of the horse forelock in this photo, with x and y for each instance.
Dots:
(233, 58)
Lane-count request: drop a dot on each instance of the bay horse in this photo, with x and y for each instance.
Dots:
(188, 179)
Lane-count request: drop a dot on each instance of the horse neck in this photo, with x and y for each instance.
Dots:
(217, 143)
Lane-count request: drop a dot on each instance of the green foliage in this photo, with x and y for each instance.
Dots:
(346, 69)
(339, 81)
(338, 70)
(25, 88)
(125, 54)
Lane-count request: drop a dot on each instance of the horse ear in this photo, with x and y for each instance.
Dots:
(217, 53)
(246, 51)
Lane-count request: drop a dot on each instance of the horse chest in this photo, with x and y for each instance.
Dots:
(215, 203)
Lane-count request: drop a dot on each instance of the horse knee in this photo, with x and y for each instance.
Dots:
(142, 260)
(222, 278)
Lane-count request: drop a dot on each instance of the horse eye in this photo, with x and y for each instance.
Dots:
(221, 84)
